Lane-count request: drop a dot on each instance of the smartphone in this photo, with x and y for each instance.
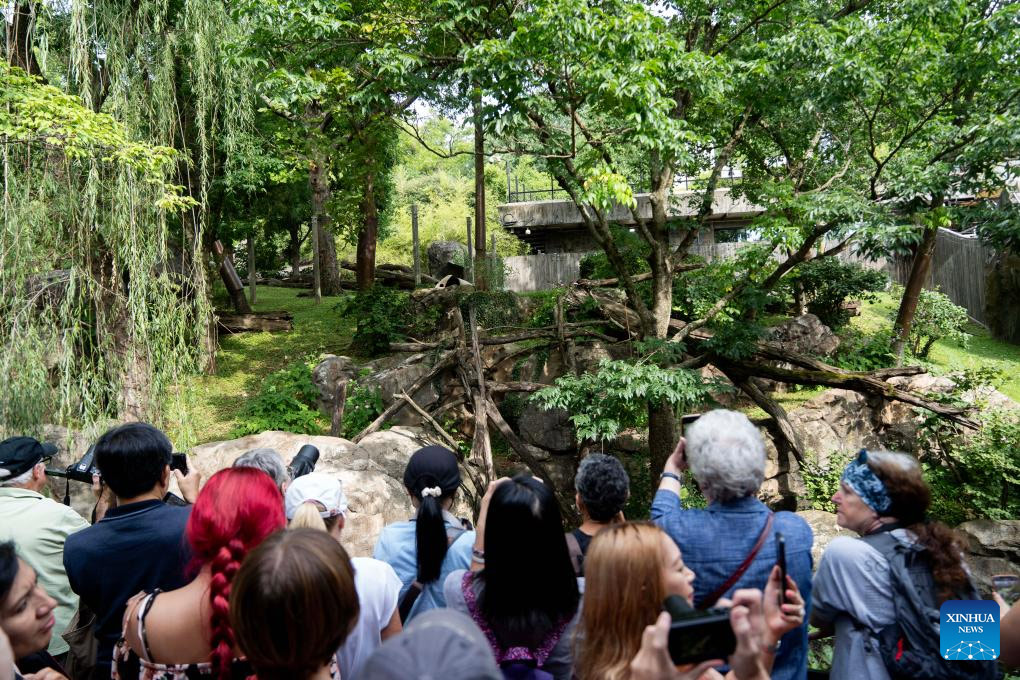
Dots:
(781, 561)
(1006, 585)
(179, 461)
(686, 421)
(698, 635)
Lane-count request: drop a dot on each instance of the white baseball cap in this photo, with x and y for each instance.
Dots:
(316, 487)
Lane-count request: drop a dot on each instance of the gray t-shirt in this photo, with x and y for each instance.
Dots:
(853, 591)
(560, 662)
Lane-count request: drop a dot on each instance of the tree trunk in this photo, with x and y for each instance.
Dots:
(912, 291)
(365, 265)
(329, 266)
(19, 38)
(480, 262)
(294, 249)
(661, 436)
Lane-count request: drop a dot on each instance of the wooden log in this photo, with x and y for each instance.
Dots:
(260, 321)
(443, 434)
(482, 445)
(513, 386)
(607, 283)
(771, 407)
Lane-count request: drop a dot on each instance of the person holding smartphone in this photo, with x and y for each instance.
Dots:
(732, 544)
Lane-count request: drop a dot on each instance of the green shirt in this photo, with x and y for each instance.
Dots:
(39, 526)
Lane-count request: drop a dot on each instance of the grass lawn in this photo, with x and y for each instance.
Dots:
(982, 350)
(212, 402)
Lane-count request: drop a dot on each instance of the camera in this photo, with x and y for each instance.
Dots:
(304, 461)
(81, 471)
(696, 635)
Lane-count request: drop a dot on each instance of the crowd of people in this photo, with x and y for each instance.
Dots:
(247, 577)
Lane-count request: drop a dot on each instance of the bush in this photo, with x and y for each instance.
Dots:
(936, 318)
(362, 407)
(860, 351)
(632, 248)
(829, 282)
(978, 478)
(286, 401)
(383, 315)
(822, 481)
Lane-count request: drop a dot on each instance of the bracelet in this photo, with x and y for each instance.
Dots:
(670, 475)
(774, 649)
(477, 556)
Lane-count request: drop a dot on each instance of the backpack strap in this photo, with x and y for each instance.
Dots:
(714, 596)
(576, 556)
(414, 590)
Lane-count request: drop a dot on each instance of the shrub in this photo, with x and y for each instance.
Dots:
(362, 407)
(936, 318)
(822, 481)
(632, 248)
(829, 282)
(383, 315)
(860, 351)
(980, 477)
(286, 401)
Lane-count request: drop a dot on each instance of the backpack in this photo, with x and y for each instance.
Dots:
(910, 646)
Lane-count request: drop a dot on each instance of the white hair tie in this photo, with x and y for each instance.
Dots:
(433, 491)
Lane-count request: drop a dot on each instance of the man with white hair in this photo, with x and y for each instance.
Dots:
(39, 525)
(732, 543)
(269, 461)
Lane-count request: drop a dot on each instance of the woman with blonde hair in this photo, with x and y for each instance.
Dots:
(630, 570)
(317, 501)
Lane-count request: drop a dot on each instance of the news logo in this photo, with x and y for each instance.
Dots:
(969, 630)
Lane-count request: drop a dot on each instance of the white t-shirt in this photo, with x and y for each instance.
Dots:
(378, 587)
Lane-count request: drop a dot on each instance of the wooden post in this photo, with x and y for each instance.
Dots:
(470, 254)
(478, 267)
(316, 266)
(336, 428)
(251, 267)
(415, 245)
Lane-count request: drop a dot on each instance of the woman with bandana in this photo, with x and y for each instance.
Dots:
(853, 591)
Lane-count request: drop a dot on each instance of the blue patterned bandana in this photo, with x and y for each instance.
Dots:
(863, 482)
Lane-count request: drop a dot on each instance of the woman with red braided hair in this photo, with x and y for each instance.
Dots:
(186, 633)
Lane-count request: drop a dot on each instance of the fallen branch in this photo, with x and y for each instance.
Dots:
(502, 339)
(262, 321)
(445, 362)
(778, 414)
(513, 386)
(443, 434)
(607, 283)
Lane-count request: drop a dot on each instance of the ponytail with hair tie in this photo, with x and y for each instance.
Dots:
(432, 476)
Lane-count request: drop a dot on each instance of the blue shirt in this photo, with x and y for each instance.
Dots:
(139, 546)
(716, 540)
(397, 547)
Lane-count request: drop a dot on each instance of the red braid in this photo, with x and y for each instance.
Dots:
(223, 569)
(236, 510)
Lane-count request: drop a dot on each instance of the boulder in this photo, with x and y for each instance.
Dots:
(993, 547)
(547, 429)
(327, 376)
(442, 253)
(823, 525)
(71, 446)
(371, 473)
(835, 421)
(805, 334)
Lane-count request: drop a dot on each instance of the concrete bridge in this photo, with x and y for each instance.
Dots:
(555, 226)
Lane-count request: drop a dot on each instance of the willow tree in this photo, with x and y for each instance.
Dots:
(622, 97)
(105, 199)
(94, 325)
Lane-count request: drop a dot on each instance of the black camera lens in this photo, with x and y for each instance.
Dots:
(304, 462)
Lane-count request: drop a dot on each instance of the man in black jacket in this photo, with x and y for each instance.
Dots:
(140, 543)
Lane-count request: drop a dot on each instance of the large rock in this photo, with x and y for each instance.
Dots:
(805, 334)
(371, 473)
(993, 547)
(547, 429)
(327, 376)
(836, 421)
(387, 377)
(442, 253)
(823, 525)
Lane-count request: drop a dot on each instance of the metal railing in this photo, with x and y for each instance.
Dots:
(517, 192)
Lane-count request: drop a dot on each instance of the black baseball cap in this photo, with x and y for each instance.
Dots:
(18, 455)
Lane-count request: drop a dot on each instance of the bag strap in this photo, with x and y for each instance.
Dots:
(576, 556)
(714, 596)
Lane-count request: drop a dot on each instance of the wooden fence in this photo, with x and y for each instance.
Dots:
(959, 269)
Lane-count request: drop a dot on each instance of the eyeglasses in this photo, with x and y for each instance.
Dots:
(45, 460)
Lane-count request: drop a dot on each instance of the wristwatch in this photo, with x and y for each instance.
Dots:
(670, 475)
